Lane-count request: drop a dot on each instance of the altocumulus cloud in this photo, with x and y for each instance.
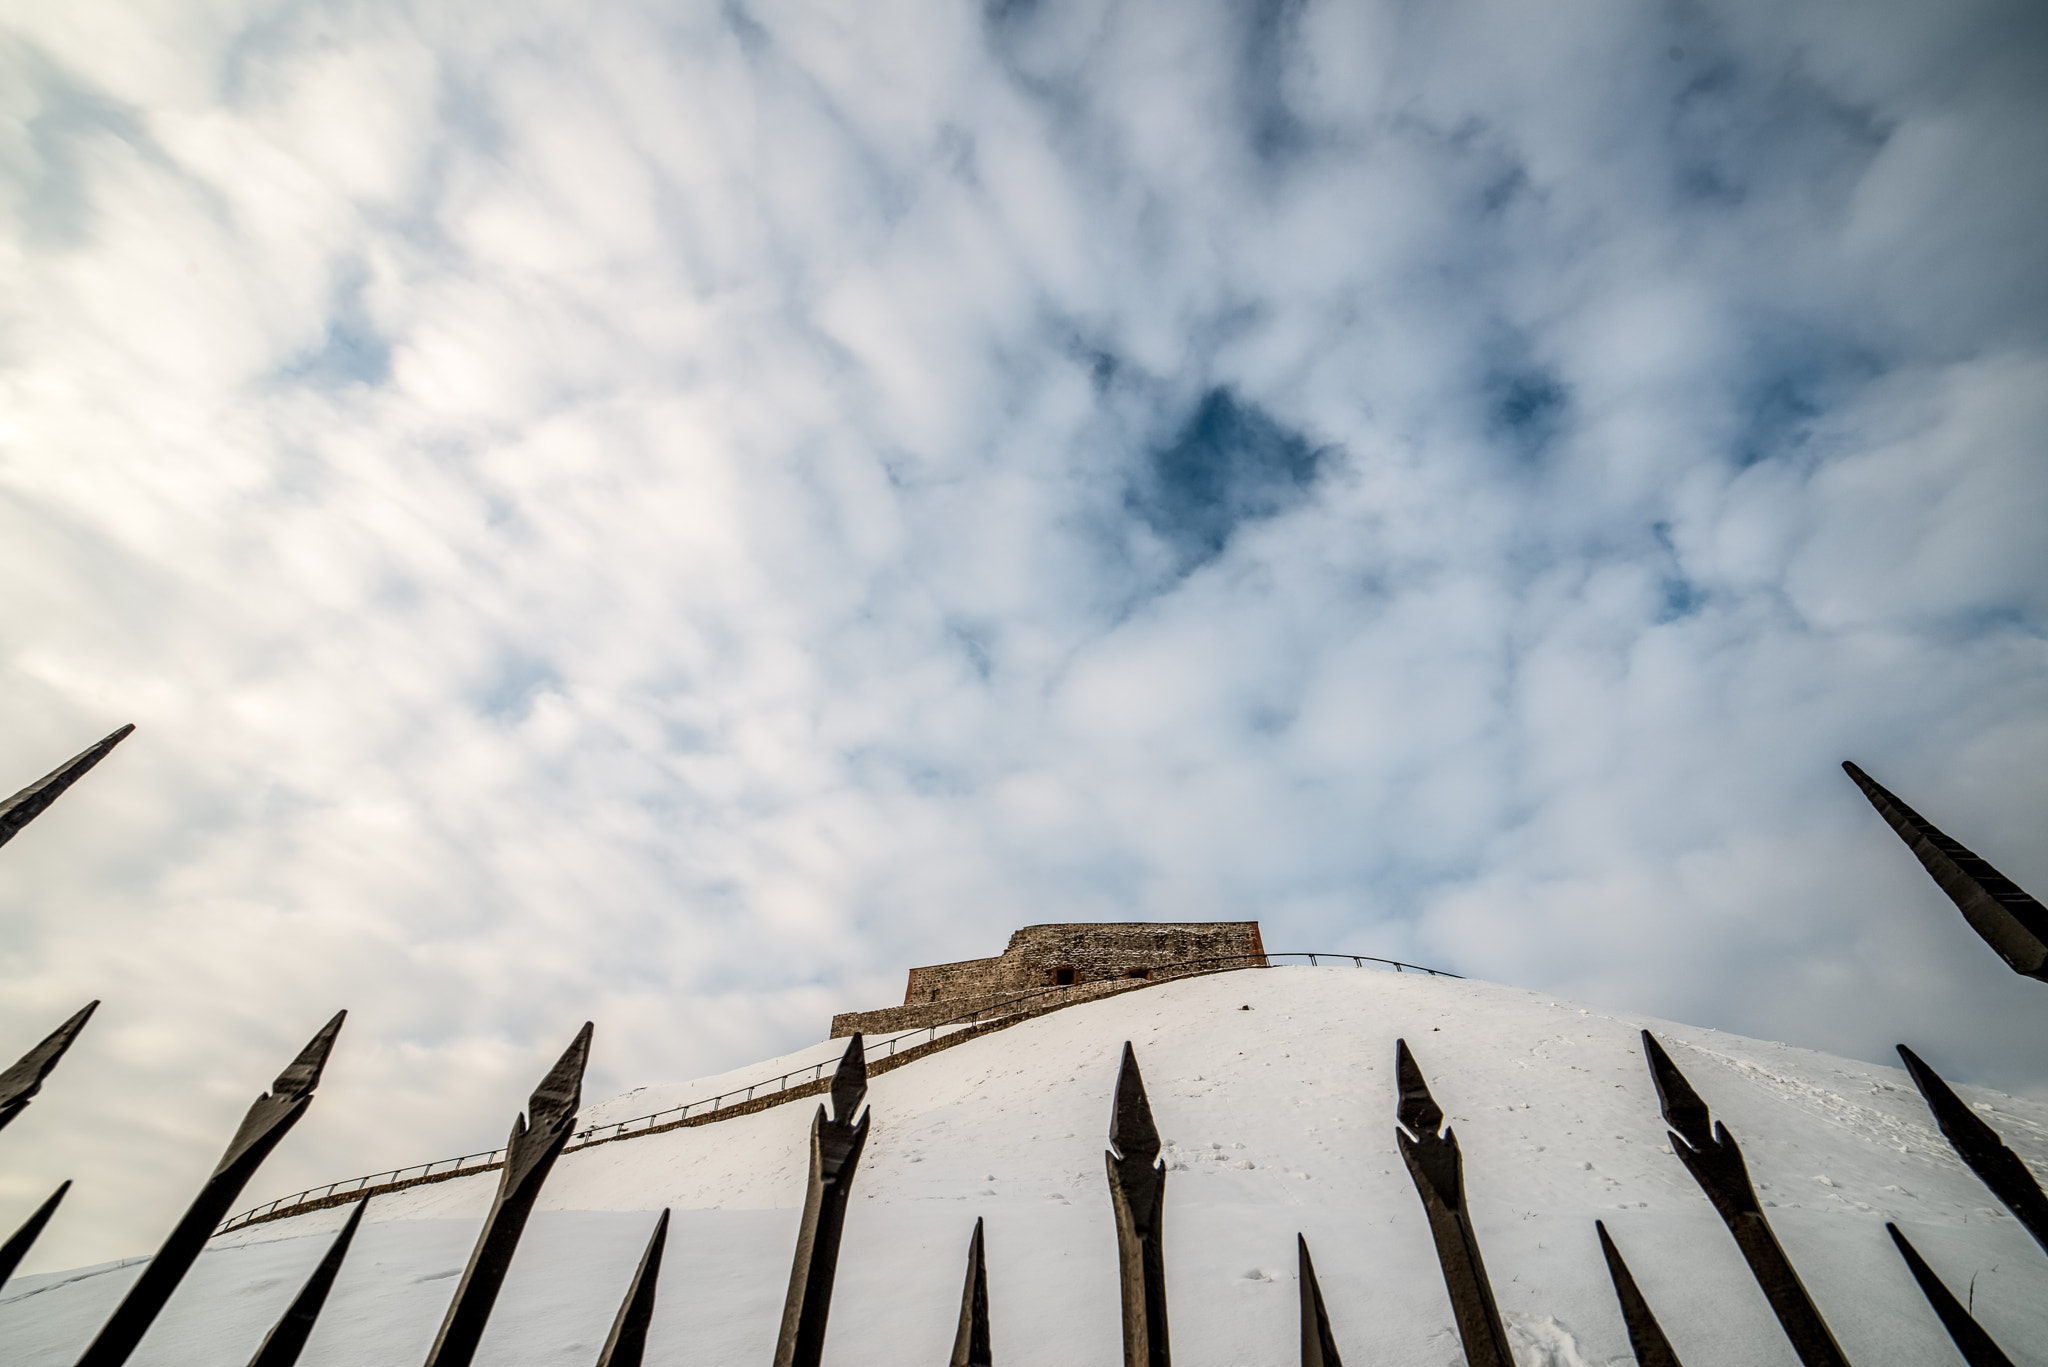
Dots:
(671, 513)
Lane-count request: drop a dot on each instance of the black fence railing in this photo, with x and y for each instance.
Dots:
(443, 1169)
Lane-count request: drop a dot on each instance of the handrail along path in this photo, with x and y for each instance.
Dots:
(881, 1054)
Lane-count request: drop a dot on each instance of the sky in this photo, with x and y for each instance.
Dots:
(672, 514)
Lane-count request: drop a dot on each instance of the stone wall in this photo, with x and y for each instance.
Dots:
(1079, 959)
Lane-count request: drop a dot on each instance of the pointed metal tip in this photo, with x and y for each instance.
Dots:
(1977, 1143)
(971, 1336)
(1645, 1336)
(2000, 911)
(1680, 1105)
(555, 1100)
(1318, 1343)
(627, 1345)
(1977, 1347)
(850, 1080)
(1416, 1109)
(25, 1078)
(302, 1074)
(25, 806)
(1132, 1133)
(19, 1243)
(1948, 1108)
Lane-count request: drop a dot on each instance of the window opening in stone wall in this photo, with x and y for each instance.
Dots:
(1063, 977)
(1137, 973)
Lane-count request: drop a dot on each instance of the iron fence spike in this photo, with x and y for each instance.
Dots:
(850, 1080)
(536, 1142)
(1318, 1344)
(627, 1345)
(20, 1083)
(1645, 1335)
(971, 1339)
(1977, 1347)
(1132, 1132)
(1998, 909)
(1679, 1104)
(1437, 1168)
(1417, 1109)
(287, 1339)
(18, 1244)
(1715, 1162)
(270, 1117)
(32, 801)
(1979, 1146)
(1137, 1201)
(836, 1146)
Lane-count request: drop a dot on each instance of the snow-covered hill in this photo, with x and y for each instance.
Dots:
(1278, 1118)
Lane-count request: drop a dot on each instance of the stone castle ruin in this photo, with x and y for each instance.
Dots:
(1086, 959)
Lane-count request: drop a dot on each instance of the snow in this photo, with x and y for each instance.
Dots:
(1278, 1119)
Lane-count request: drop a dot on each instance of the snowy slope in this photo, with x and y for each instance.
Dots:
(1279, 1119)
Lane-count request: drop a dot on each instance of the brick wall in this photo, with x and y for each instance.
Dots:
(1076, 954)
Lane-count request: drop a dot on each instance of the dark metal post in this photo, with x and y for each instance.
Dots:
(836, 1146)
(20, 1083)
(270, 1118)
(530, 1154)
(1137, 1197)
(19, 1243)
(1645, 1335)
(287, 1338)
(1318, 1344)
(627, 1345)
(1439, 1171)
(1976, 1346)
(1997, 908)
(1715, 1162)
(1978, 1145)
(971, 1340)
(30, 803)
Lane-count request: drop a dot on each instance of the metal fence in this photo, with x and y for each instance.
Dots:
(444, 1169)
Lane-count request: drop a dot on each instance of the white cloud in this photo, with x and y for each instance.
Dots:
(658, 517)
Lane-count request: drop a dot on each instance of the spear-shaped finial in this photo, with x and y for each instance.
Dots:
(1318, 1344)
(836, 1146)
(850, 1081)
(1137, 1200)
(627, 1346)
(287, 1338)
(1131, 1131)
(17, 1246)
(1680, 1104)
(1998, 909)
(1716, 1164)
(20, 1083)
(1978, 1145)
(270, 1117)
(1645, 1335)
(1439, 1173)
(1978, 1348)
(530, 1153)
(30, 803)
(971, 1339)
